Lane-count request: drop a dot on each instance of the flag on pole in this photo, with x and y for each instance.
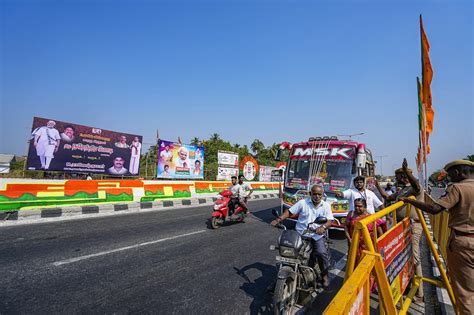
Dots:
(427, 77)
(427, 70)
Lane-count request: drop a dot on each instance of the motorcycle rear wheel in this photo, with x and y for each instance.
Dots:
(216, 222)
(282, 300)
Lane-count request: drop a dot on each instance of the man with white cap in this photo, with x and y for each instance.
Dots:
(46, 142)
(459, 202)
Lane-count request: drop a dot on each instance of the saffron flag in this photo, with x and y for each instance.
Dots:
(427, 70)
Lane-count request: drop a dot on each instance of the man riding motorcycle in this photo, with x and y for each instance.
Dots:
(244, 192)
(234, 189)
(308, 210)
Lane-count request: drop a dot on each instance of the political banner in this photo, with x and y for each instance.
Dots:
(228, 165)
(265, 174)
(66, 147)
(225, 158)
(225, 173)
(249, 167)
(177, 160)
(395, 247)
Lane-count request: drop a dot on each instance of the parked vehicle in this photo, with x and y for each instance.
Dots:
(220, 213)
(295, 277)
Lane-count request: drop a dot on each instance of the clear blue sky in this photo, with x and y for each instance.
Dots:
(273, 70)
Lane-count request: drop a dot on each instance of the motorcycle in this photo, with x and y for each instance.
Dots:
(221, 211)
(296, 278)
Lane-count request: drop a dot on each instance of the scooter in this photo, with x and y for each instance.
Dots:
(221, 211)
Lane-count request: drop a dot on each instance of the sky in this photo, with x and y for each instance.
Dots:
(269, 70)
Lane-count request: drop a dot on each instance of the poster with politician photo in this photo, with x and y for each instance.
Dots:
(176, 160)
(66, 147)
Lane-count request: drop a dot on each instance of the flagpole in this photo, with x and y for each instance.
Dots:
(425, 156)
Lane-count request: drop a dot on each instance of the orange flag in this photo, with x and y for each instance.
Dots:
(427, 70)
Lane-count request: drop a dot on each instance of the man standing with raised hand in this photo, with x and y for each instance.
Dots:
(410, 187)
(459, 202)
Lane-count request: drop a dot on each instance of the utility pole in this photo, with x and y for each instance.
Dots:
(381, 163)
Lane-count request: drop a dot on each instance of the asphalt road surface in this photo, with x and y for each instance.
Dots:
(167, 262)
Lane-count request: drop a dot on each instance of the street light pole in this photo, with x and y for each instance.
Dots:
(381, 163)
(352, 135)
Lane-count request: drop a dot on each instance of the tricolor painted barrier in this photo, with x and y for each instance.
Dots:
(16, 194)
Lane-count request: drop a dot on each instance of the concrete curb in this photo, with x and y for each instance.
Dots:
(443, 297)
(112, 208)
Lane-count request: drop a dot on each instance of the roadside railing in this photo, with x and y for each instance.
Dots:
(388, 258)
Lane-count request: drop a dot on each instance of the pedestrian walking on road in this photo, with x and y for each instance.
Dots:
(410, 187)
(459, 202)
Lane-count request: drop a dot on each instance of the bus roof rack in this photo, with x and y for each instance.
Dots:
(323, 138)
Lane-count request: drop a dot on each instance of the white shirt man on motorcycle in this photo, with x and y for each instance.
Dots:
(234, 189)
(308, 210)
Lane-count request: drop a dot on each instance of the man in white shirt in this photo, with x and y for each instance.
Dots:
(308, 210)
(136, 148)
(373, 202)
(182, 160)
(166, 155)
(244, 192)
(117, 168)
(46, 142)
(234, 188)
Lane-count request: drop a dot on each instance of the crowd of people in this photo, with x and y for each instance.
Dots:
(458, 200)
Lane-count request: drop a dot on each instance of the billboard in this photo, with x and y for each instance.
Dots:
(228, 165)
(226, 158)
(177, 160)
(249, 167)
(265, 174)
(61, 146)
(225, 173)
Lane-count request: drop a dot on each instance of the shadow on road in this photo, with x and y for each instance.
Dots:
(258, 289)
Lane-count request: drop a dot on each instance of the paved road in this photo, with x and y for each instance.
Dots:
(155, 262)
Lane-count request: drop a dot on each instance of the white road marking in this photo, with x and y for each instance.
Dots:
(76, 259)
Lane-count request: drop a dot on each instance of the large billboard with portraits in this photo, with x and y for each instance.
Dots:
(176, 160)
(66, 147)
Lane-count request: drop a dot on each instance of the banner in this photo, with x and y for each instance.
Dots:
(226, 158)
(177, 160)
(395, 247)
(249, 167)
(225, 173)
(60, 146)
(265, 174)
(228, 165)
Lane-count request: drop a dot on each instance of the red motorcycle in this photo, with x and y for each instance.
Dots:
(221, 210)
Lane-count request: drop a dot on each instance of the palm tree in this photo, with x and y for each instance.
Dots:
(257, 146)
(195, 141)
(215, 137)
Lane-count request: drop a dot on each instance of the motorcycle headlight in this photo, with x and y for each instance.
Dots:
(217, 207)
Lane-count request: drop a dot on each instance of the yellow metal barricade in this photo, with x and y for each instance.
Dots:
(390, 292)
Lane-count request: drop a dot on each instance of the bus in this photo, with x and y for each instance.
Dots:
(327, 161)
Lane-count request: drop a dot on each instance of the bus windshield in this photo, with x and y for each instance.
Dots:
(335, 175)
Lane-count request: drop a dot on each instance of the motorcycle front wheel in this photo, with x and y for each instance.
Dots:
(283, 297)
(216, 222)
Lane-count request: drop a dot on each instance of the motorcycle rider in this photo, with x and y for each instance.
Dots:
(234, 189)
(244, 192)
(308, 210)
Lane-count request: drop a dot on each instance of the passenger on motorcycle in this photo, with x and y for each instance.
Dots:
(234, 189)
(244, 192)
(308, 210)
